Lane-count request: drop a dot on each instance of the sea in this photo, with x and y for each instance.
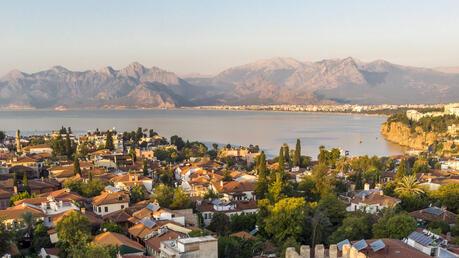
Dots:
(356, 133)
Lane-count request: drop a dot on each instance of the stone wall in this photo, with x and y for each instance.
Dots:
(320, 252)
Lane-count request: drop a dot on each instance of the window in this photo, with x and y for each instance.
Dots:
(106, 209)
(100, 210)
(122, 206)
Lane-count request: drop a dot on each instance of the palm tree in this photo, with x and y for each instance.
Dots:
(408, 186)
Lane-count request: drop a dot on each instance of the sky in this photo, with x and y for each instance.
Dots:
(208, 36)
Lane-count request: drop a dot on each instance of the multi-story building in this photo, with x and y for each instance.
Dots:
(205, 246)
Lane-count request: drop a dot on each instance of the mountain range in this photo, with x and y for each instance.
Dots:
(271, 81)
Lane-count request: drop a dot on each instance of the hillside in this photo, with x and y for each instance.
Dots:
(272, 81)
(134, 86)
(285, 80)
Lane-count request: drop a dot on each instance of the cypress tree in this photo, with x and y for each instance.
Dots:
(109, 141)
(76, 166)
(145, 168)
(15, 179)
(287, 155)
(68, 146)
(281, 161)
(297, 154)
(261, 188)
(25, 180)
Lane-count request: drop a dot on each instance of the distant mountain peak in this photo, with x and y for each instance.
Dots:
(59, 69)
(13, 75)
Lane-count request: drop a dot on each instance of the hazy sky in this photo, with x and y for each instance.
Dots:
(207, 36)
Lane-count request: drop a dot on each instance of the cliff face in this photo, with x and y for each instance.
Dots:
(401, 134)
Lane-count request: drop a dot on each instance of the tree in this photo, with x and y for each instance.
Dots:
(297, 155)
(68, 146)
(28, 222)
(408, 186)
(40, 237)
(261, 187)
(448, 195)
(164, 195)
(287, 155)
(145, 168)
(421, 165)
(323, 182)
(25, 181)
(334, 209)
(281, 162)
(393, 225)
(137, 193)
(109, 141)
(235, 247)
(276, 189)
(87, 189)
(132, 154)
(243, 222)
(2, 136)
(111, 227)
(76, 166)
(319, 223)
(74, 233)
(287, 219)
(219, 224)
(5, 238)
(354, 227)
(181, 199)
(94, 250)
(178, 142)
(402, 169)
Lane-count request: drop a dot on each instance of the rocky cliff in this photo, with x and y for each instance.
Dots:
(403, 135)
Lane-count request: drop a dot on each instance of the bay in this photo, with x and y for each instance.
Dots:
(357, 133)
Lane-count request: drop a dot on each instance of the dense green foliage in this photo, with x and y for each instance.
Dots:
(87, 189)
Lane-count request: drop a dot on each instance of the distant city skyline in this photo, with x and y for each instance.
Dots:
(207, 37)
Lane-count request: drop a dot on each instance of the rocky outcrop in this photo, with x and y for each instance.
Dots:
(403, 135)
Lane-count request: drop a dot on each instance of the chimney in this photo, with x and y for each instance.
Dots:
(381, 192)
(221, 183)
(366, 187)
(83, 210)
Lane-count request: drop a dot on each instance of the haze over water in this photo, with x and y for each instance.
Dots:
(354, 132)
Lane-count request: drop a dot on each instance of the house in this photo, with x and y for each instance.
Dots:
(234, 190)
(148, 228)
(205, 246)
(38, 149)
(371, 201)
(153, 244)
(36, 165)
(426, 242)
(372, 248)
(122, 242)
(12, 216)
(106, 203)
(155, 212)
(209, 208)
(128, 180)
(4, 199)
(64, 195)
(434, 214)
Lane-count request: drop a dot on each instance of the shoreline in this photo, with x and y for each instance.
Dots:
(197, 109)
